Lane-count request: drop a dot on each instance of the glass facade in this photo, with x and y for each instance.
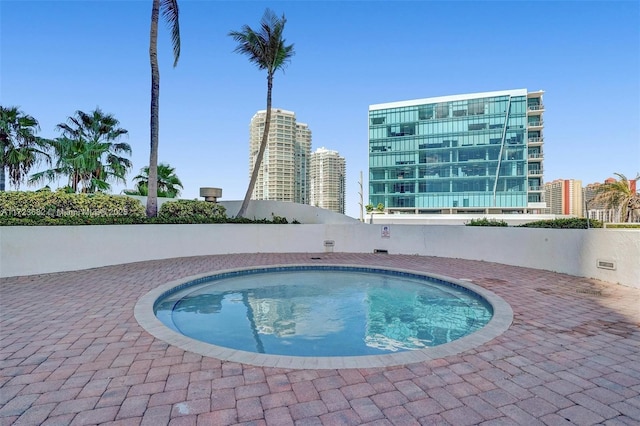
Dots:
(467, 152)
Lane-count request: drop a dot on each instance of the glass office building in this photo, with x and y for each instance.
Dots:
(474, 153)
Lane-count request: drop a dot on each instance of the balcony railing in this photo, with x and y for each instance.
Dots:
(535, 188)
(537, 107)
(533, 156)
(535, 172)
(536, 140)
(535, 123)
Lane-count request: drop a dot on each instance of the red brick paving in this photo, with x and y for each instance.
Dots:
(72, 353)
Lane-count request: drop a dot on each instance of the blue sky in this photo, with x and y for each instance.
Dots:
(61, 56)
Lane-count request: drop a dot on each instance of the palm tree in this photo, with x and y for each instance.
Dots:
(170, 13)
(88, 153)
(620, 195)
(265, 48)
(168, 182)
(20, 148)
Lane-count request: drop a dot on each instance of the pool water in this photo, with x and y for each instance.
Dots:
(324, 312)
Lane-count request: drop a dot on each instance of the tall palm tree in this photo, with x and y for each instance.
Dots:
(77, 160)
(20, 148)
(620, 195)
(89, 153)
(265, 48)
(170, 13)
(169, 183)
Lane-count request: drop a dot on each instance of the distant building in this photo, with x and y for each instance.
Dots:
(599, 210)
(327, 180)
(473, 153)
(564, 197)
(302, 153)
(283, 174)
(596, 210)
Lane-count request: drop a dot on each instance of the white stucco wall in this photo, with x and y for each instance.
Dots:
(37, 250)
(265, 209)
(303, 213)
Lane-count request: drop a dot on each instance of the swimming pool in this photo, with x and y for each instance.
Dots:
(323, 315)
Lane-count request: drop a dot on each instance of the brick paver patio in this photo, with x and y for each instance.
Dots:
(72, 353)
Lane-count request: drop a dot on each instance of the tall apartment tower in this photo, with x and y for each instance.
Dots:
(327, 180)
(473, 153)
(564, 197)
(283, 174)
(302, 152)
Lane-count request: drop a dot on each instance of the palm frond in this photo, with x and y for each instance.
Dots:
(264, 47)
(20, 148)
(619, 196)
(167, 181)
(87, 152)
(46, 175)
(170, 12)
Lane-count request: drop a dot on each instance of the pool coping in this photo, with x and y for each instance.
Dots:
(499, 323)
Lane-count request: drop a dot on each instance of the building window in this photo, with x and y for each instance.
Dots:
(425, 113)
(476, 107)
(477, 126)
(442, 110)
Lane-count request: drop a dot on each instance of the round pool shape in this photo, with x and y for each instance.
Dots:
(381, 297)
(323, 311)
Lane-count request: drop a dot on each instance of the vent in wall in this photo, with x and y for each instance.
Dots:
(606, 264)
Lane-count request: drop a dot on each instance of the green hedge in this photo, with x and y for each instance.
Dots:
(70, 221)
(623, 226)
(45, 208)
(569, 223)
(487, 222)
(57, 205)
(192, 211)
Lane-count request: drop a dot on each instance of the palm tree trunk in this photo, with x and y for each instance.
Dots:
(2, 173)
(152, 196)
(263, 146)
(627, 212)
(3, 147)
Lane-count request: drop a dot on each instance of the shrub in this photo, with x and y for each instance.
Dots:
(59, 204)
(192, 211)
(565, 223)
(45, 208)
(487, 222)
(278, 219)
(624, 225)
(70, 221)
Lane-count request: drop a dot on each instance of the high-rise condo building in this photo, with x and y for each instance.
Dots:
(597, 209)
(564, 197)
(327, 178)
(283, 174)
(473, 153)
(303, 150)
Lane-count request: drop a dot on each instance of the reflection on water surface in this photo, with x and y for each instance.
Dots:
(323, 313)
